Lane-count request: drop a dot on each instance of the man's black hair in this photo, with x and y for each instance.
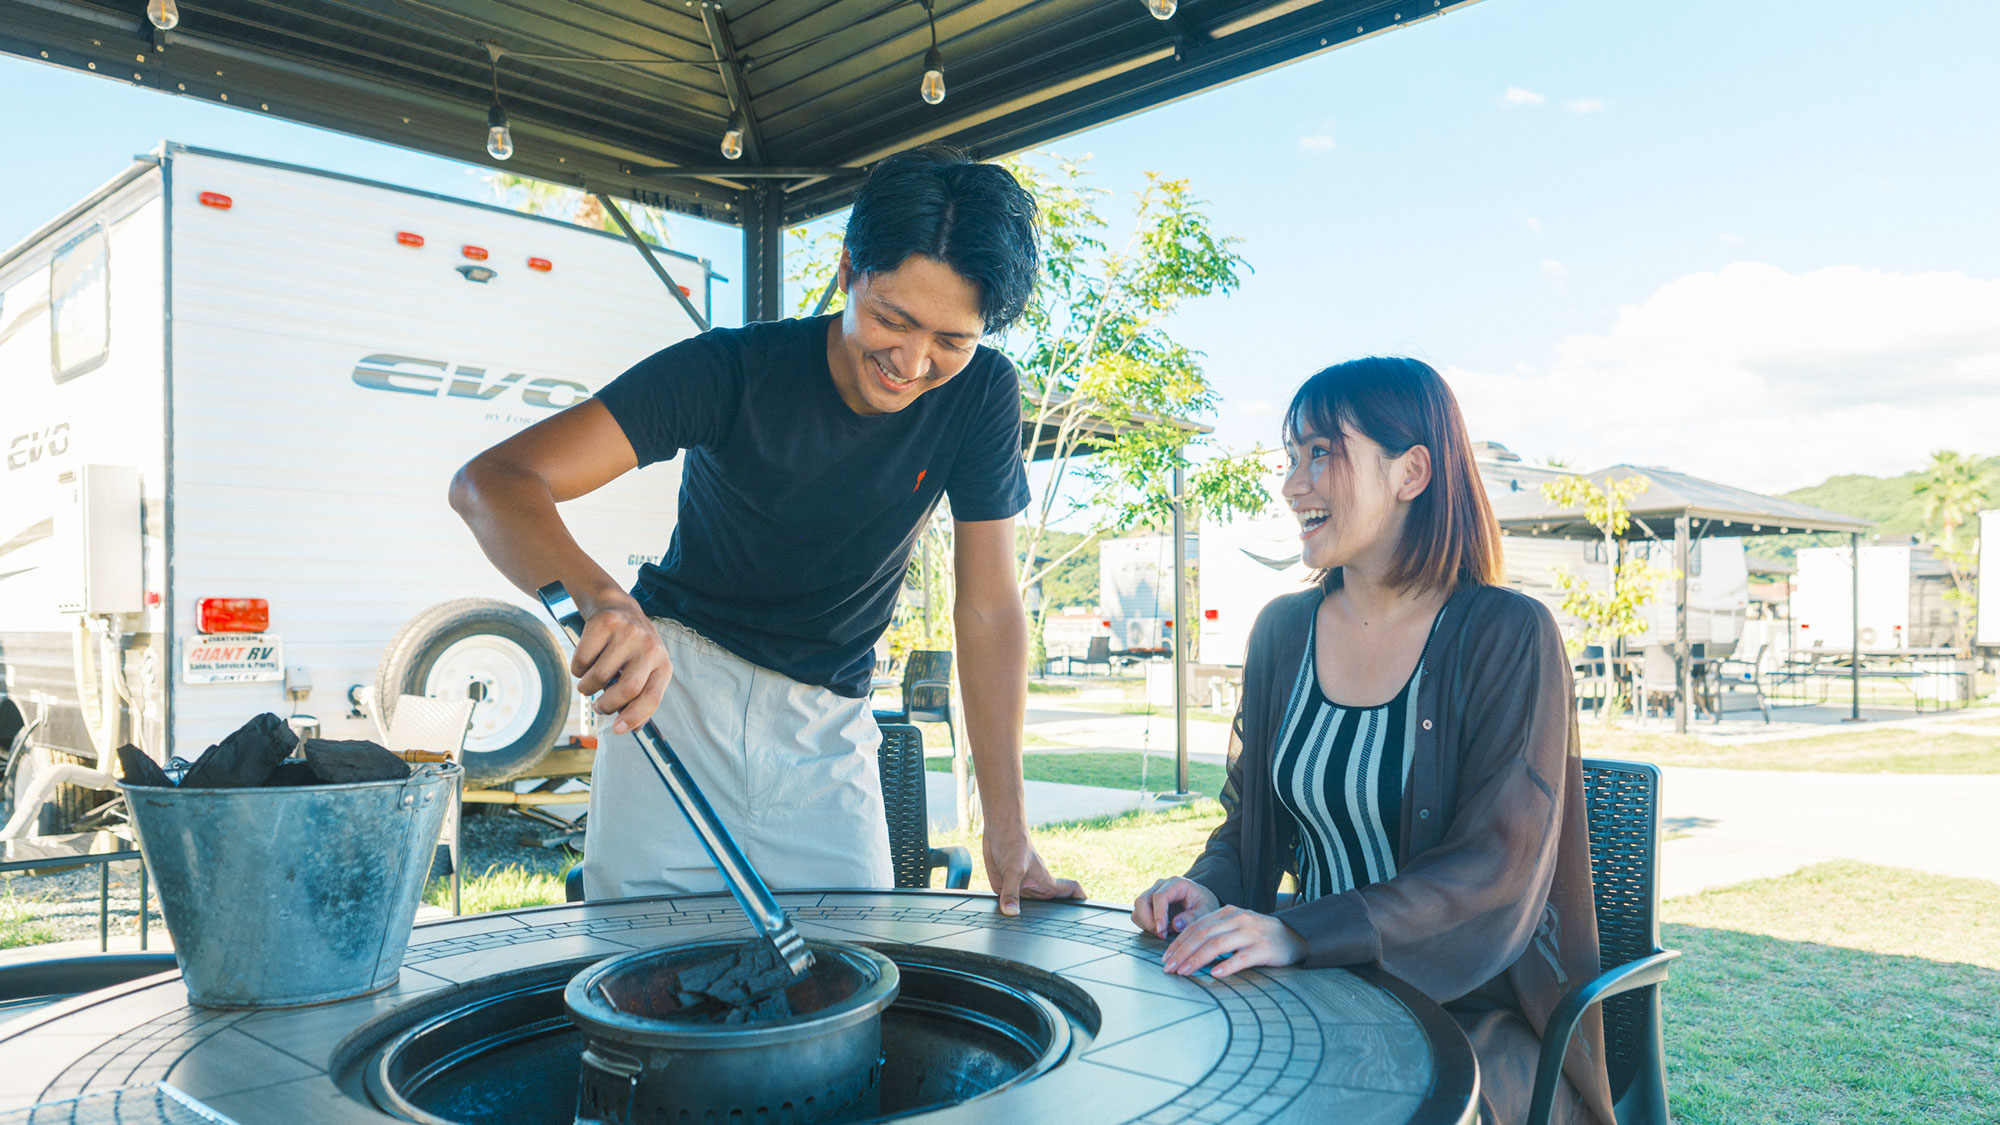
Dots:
(937, 202)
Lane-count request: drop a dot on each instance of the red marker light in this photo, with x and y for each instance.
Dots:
(233, 615)
(476, 253)
(408, 239)
(1210, 614)
(1106, 624)
(542, 264)
(216, 200)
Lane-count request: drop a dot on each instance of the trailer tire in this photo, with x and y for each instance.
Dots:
(450, 646)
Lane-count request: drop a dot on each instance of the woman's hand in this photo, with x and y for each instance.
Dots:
(1246, 938)
(1166, 907)
(622, 656)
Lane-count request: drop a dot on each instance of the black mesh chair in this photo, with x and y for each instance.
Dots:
(27, 985)
(926, 692)
(1624, 812)
(900, 762)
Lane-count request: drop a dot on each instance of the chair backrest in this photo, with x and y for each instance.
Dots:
(1622, 801)
(1656, 668)
(900, 762)
(1100, 651)
(927, 681)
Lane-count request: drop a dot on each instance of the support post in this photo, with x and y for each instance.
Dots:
(1683, 666)
(1854, 667)
(763, 255)
(1180, 637)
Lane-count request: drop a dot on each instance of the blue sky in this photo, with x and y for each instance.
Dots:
(1753, 240)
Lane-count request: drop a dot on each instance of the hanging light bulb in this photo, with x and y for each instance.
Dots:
(1163, 9)
(732, 138)
(933, 87)
(165, 14)
(499, 142)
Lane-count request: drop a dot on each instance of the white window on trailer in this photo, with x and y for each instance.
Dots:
(80, 305)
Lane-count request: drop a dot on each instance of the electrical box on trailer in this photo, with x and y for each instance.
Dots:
(100, 529)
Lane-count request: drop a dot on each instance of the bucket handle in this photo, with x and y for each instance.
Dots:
(604, 1070)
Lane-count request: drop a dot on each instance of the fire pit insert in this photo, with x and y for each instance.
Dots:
(504, 1050)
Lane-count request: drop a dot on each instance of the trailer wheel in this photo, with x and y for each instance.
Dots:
(500, 654)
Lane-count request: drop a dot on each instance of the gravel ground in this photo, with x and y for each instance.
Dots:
(63, 907)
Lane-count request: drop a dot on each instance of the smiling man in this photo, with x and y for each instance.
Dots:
(816, 452)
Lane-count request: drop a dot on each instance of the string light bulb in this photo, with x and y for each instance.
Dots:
(499, 141)
(164, 14)
(1163, 10)
(732, 138)
(933, 85)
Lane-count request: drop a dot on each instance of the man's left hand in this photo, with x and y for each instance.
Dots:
(1016, 871)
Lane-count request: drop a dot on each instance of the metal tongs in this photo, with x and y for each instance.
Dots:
(737, 874)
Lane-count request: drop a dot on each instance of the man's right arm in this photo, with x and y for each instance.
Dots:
(508, 495)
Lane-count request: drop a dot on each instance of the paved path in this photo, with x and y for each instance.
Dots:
(1750, 824)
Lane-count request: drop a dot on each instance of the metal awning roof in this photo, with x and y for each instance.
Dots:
(1712, 508)
(631, 97)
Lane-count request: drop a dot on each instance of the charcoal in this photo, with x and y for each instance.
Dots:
(245, 758)
(137, 769)
(341, 762)
(745, 985)
(292, 772)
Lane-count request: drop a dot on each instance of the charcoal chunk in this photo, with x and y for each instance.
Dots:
(137, 769)
(341, 762)
(745, 985)
(245, 758)
(293, 771)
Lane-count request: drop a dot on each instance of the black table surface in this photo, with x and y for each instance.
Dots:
(1281, 1045)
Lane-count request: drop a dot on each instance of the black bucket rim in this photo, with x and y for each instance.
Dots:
(581, 997)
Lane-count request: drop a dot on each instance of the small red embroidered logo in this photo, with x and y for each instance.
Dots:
(920, 479)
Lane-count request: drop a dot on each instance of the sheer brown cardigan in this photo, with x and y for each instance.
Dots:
(1491, 901)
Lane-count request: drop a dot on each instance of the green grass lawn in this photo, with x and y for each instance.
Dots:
(502, 888)
(1112, 770)
(19, 924)
(1881, 750)
(1114, 857)
(1844, 993)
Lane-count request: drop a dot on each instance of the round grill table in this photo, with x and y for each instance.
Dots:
(1285, 1045)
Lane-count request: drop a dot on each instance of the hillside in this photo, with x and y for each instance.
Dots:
(1891, 502)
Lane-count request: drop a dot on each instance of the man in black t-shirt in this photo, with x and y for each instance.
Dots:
(815, 452)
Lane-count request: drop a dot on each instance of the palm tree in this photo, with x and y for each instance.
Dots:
(1953, 489)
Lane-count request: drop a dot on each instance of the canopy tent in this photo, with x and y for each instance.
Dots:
(633, 98)
(1678, 508)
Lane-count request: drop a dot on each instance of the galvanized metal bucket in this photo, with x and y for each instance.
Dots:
(288, 896)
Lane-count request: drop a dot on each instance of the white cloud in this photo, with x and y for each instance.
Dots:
(1534, 224)
(1586, 105)
(1517, 96)
(1729, 238)
(1316, 142)
(1766, 379)
(1552, 267)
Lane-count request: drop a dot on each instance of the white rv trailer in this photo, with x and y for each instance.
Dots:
(1902, 598)
(228, 380)
(1135, 588)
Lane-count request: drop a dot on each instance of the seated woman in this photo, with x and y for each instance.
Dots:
(1406, 749)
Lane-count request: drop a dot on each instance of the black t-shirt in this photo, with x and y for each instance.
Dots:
(797, 515)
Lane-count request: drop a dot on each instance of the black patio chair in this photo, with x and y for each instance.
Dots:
(1623, 801)
(1098, 653)
(27, 985)
(926, 692)
(900, 763)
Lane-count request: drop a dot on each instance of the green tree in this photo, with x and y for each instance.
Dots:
(539, 197)
(1605, 614)
(1952, 490)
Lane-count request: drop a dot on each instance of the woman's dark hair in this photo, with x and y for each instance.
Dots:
(1451, 537)
(972, 217)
